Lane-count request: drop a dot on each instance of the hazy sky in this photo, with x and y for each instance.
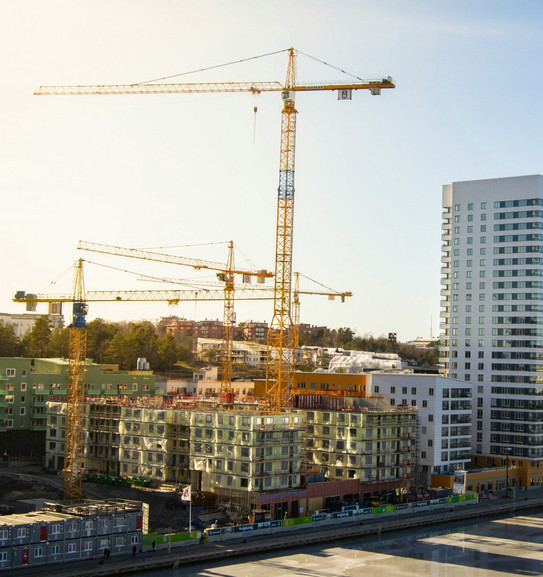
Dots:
(171, 171)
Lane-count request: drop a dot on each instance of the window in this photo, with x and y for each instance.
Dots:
(10, 372)
(55, 549)
(120, 542)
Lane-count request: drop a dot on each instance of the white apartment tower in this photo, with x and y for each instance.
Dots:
(492, 308)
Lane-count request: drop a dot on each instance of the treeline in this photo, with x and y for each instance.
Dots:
(345, 338)
(123, 343)
(107, 342)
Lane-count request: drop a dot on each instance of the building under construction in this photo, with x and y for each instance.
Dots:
(248, 457)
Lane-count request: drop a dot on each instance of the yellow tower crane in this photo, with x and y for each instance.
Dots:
(296, 306)
(75, 397)
(279, 357)
(225, 274)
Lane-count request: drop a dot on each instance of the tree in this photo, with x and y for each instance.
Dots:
(10, 346)
(99, 336)
(345, 337)
(38, 340)
(59, 343)
(168, 352)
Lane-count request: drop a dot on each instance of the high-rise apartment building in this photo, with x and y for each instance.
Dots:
(492, 309)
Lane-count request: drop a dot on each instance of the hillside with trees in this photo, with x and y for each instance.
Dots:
(123, 343)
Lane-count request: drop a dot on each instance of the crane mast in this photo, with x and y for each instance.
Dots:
(280, 361)
(75, 398)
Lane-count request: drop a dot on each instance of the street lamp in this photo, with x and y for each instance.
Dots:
(507, 451)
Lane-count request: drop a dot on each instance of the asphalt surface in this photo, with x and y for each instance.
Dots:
(251, 544)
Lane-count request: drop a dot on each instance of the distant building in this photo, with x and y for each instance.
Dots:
(359, 361)
(24, 323)
(174, 325)
(253, 354)
(255, 331)
(421, 343)
(210, 329)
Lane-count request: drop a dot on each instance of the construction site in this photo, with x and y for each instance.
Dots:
(286, 452)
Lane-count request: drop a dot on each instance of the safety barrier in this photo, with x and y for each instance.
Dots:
(347, 514)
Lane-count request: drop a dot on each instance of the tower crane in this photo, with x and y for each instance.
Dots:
(279, 357)
(296, 306)
(75, 397)
(225, 274)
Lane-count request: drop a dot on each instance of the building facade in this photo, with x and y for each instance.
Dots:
(443, 418)
(27, 383)
(61, 533)
(375, 446)
(492, 308)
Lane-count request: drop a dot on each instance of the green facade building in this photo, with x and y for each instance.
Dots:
(26, 384)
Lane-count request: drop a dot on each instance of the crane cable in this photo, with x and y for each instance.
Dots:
(210, 67)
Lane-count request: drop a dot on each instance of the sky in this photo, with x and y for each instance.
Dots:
(183, 174)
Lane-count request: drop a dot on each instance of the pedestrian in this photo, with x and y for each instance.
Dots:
(153, 545)
(134, 549)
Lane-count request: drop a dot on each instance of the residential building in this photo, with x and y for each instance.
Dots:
(372, 444)
(444, 418)
(237, 454)
(255, 331)
(250, 458)
(253, 354)
(26, 384)
(492, 309)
